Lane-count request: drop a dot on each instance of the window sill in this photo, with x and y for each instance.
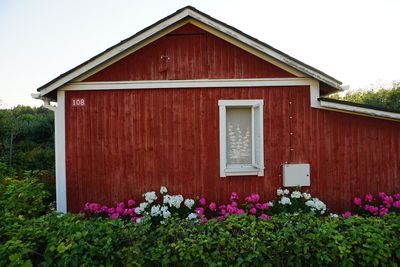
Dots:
(244, 171)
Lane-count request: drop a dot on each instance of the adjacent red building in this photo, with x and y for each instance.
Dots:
(198, 106)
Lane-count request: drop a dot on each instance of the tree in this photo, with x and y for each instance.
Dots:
(27, 138)
(385, 98)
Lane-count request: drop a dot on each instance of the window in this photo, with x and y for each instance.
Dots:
(241, 137)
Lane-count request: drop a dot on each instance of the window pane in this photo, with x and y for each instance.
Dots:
(238, 129)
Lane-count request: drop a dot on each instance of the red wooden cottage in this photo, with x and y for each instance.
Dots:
(204, 109)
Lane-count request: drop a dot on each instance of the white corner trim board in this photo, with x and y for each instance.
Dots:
(61, 185)
(359, 110)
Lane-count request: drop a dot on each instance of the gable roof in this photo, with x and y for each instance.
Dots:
(168, 24)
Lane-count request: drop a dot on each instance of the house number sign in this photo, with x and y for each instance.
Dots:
(78, 102)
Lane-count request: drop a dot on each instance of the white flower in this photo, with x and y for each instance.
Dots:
(138, 210)
(164, 209)
(306, 195)
(163, 190)
(296, 194)
(316, 205)
(162, 222)
(150, 196)
(166, 214)
(173, 201)
(279, 192)
(285, 201)
(286, 192)
(143, 205)
(189, 203)
(333, 215)
(310, 203)
(271, 204)
(138, 220)
(192, 216)
(155, 210)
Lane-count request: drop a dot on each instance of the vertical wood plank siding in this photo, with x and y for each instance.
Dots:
(193, 54)
(126, 142)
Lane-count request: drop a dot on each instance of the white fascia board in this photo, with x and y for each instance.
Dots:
(126, 48)
(114, 52)
(264, 49)
(359, 110)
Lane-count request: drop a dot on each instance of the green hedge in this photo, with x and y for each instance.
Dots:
(302, 240)
(31, 235)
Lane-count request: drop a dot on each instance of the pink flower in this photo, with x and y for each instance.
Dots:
(223, 212)
(357, 201)
(383, 211)
(204, 219)
(382, 195)
(131, 202)
(94, 206)
(253, 198)
(234, 196)
(347, 214)
(233, 204)
(265, 217)
(240, 211)
(369, 198)
(200, 212)
(213, 206)
(253, 211)
(114, 216)
(111, 210)
(397, 196)
(397, 204)
(121, 205)
(388, 200)
(119, 210)
(104, 209)
(264, 206)
(202, 201)
(230, 209)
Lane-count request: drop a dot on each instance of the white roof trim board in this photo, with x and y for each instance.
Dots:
(185, 13)
(361, 109)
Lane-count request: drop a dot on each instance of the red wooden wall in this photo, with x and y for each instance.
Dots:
(122, 143)
(193, 54)
(126, 142)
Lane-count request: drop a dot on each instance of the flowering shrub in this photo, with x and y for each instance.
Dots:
(378, 206)
(296, 201)
(287, 202)
(159, 210)
(156, 212)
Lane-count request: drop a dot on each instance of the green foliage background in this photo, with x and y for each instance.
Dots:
(30, 132)
(384, 98)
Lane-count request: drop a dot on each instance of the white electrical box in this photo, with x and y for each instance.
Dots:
(296, 175)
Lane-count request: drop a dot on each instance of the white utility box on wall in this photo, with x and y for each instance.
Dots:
(296, 175)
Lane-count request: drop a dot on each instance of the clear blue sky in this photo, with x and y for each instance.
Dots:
(355, 41)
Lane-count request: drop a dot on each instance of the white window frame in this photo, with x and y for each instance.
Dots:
(242, 170)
